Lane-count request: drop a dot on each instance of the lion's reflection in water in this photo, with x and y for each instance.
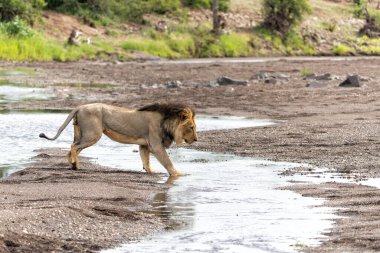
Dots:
(231, 204)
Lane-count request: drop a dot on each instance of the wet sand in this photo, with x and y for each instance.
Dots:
(49, 208)
(328, 126)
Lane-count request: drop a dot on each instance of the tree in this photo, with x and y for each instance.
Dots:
(215, 16)
(283, 15)
(24, 9)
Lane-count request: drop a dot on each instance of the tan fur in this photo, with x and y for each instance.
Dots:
(152, 130)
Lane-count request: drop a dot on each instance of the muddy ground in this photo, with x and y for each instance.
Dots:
(49, 208)
(327, 125)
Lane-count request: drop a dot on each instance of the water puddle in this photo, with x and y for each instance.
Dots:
(9, 93)
(232, 204)
(16, 72)
(229, 122)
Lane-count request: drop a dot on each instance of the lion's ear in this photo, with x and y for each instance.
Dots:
(184, 114)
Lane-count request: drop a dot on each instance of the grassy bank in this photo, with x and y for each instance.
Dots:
(329, 30)
(198, 43)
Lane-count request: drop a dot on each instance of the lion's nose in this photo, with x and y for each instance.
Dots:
(195, 138)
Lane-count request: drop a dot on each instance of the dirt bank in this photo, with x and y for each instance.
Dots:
(327, 126)
(48, 208)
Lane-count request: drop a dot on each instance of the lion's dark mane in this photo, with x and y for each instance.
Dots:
(170, 116)
(168, 110)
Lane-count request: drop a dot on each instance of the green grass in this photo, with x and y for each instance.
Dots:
(343, 50)
(30, 48)
(155, 47)
(185, 45)
(305, 72)
(329, 26)
(227, 45)
(38, 48)
(181, 43)
(368, 46)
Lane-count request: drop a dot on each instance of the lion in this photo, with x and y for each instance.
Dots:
(153, 127)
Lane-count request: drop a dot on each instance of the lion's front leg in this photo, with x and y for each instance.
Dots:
(144, 154)
(160, 153)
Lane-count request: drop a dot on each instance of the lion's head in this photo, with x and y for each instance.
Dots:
(186, 129)
(178, 122)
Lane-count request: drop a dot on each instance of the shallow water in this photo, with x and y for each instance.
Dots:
(20, 132)
(226, 204)
(16, 72)
(9, 93)
(231, 204)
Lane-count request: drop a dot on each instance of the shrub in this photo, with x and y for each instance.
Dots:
(234, 45)
(25, 9)
(131, 10)
(375, 14)
(182, 44)
(16, 27)
(207, 4)
(164, 6)
(227, 45)
(198, 4)
(359, 8)
(283, 15)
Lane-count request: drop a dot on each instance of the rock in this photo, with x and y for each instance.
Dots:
(229, 81)
(365, 78)
(282, 77)
(351, 81)
(213, 84)
(315, 84)
(74, 37)
(161, 26)
(173, 84)
(42, 155)
(324, 77)
(269, 77)
(260, 76)
(271, 81)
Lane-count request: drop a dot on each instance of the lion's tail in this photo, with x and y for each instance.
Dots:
(64, 125)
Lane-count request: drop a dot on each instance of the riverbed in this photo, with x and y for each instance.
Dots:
(333, 128)
(226, 203)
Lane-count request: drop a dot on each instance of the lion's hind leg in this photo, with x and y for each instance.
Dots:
(72, 155)
(84, 142)
(144, 154)
(74, 160)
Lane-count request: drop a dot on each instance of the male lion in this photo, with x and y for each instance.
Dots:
(153, 127)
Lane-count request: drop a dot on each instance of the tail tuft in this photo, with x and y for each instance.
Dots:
(42, 135)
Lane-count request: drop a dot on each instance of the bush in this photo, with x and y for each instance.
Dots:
(182, 43)
(283, 15)
(131, 10)
(231, 45)
(207, 4)
(359, 8)
(25, 9)
(16, 28)
(375, 15)
(164, 6)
